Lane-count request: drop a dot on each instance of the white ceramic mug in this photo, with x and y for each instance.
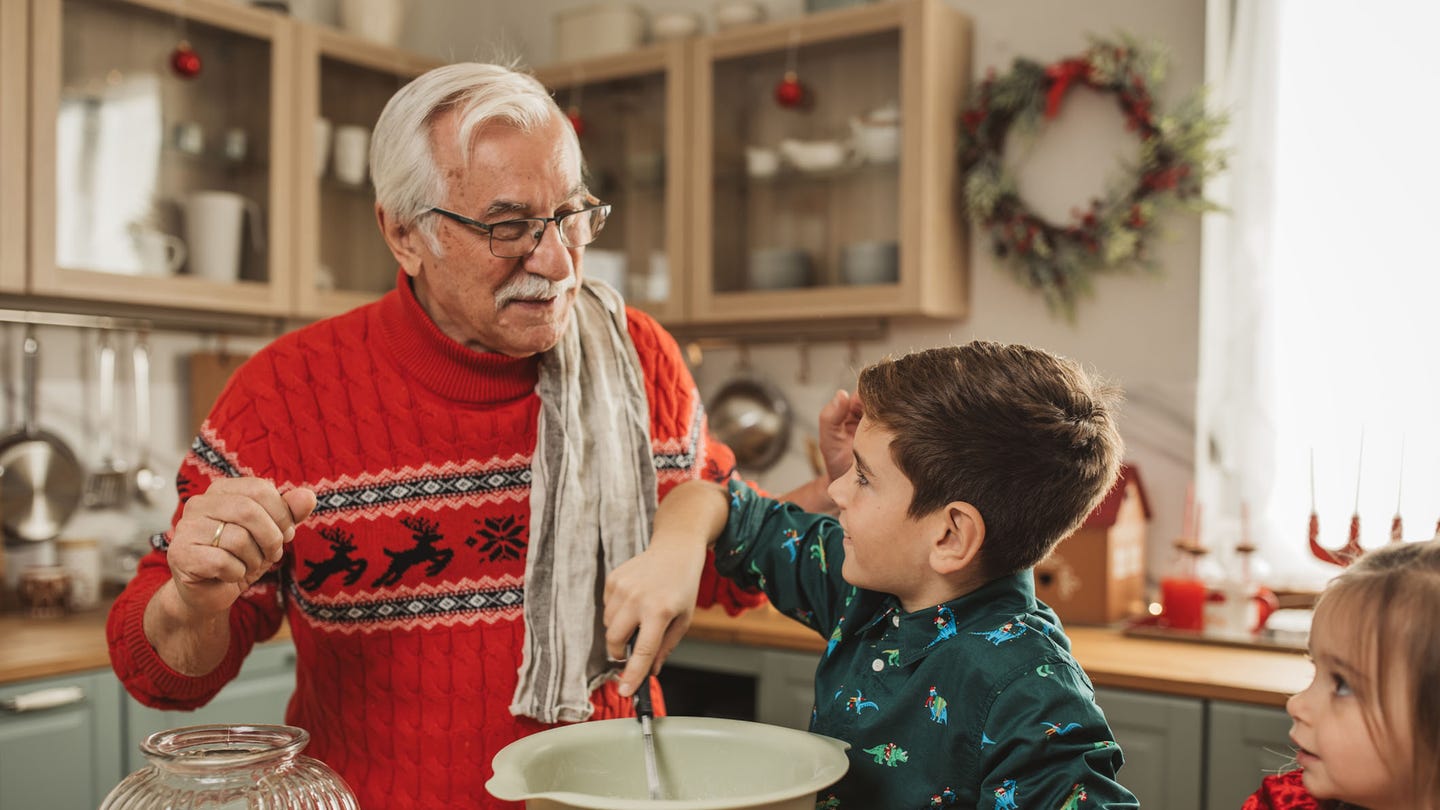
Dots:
(352, 153)
(160, 253)
(376, 20)
(322, 145)
(214, 221)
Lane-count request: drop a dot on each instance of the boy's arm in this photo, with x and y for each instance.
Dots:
(652, 596)
(1051, 745)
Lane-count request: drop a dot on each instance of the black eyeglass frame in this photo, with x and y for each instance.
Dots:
(489, 229)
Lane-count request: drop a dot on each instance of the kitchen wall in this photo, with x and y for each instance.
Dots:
(1141, 331)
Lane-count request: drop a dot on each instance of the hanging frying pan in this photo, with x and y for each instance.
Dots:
(40, 478)
(753, 418)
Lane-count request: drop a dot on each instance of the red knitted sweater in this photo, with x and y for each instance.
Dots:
(404, 589)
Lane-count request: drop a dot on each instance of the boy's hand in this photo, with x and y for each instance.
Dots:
(652, 598)
(838, 420)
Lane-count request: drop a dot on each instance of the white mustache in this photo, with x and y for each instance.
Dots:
(528, 286)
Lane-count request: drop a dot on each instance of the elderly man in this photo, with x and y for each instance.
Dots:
(432, 487)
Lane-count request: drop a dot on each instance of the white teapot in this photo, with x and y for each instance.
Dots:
(875, 135)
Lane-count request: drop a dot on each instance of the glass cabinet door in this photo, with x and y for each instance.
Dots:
(631, 115)
(159, 168)
(342, 259)
(834, 199)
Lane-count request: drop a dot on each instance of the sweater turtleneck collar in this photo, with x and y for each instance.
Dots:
(444, 366)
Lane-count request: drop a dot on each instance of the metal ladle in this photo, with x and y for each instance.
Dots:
(148, 483)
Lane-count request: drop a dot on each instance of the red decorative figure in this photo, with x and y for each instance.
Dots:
(573, 113)
(185, 61)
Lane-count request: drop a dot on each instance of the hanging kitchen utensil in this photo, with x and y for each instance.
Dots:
(42, 481)
(752, 417)
(147, 482)
(107, 486)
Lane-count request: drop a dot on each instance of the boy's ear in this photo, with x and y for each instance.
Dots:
(403, 241)
(964, 534)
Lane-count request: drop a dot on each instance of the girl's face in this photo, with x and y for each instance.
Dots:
(1340, 757)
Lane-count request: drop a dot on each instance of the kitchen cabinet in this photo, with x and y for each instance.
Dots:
(731, 210)
(138, 172)
(341, 260)
(1162, 740)
(846, 207)
(1245, 744)
(259, 694)
(634, 115)
(67, 754)
(209, 193)
(784, 681)
(14, 208)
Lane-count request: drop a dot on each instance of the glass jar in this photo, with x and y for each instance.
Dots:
(230, 767)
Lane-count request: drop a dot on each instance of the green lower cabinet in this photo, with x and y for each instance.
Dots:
(60, 742)
(1162, 740)
(1246, 744)
(259, 694)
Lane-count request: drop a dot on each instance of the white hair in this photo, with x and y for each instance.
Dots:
(402, 163)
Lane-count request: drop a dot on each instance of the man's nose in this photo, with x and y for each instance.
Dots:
(551, 259)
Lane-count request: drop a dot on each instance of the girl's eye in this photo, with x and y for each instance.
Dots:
(861, 480)
(1342, 687)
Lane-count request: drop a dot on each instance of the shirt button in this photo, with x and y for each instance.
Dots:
(877, 665)
(895, 619)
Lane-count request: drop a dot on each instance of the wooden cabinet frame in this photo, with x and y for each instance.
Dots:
(316, 43)
(270, 297)
(670, 60)
(14, 116)
(934, 78)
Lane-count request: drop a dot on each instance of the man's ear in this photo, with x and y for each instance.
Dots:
(958, 548)
(404, 242)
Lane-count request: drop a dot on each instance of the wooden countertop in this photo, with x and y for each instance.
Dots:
(1185, 668)
(38, 648)
(43, 648)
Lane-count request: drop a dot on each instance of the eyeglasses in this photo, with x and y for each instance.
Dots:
(518, 238)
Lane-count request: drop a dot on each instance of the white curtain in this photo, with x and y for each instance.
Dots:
(1321, 281)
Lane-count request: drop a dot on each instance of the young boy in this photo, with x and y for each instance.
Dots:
(951, 683)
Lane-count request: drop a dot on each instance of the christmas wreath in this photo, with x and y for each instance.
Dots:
(1110, 234)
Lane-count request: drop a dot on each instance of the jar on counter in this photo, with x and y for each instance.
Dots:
(231, 766)
(44, 591)
(80, 556)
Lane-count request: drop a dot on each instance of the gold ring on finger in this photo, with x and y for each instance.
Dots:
(219, 530)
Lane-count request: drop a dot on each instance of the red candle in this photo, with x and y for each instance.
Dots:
(1182, 603)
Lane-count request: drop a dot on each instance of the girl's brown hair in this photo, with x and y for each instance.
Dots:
(1389, 600)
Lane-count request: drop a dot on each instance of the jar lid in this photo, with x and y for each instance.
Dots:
(77, 542)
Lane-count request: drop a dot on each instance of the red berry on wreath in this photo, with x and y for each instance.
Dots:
(185, 61)
(790, 93)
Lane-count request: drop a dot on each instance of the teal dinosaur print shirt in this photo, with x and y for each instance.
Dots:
(975, 703)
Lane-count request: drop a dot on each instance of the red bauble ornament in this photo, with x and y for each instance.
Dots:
(185, 61)
(576, 121)
(790, 93)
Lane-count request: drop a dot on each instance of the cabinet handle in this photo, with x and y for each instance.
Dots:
(43, 699)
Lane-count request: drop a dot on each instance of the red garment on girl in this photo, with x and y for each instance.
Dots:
(1282, 791)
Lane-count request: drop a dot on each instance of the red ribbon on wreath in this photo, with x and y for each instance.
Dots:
(1062, 75)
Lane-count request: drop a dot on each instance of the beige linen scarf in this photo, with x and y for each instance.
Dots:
(592, 500)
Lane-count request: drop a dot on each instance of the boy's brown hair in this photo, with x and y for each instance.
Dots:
(1387, 602)
(1024, 436)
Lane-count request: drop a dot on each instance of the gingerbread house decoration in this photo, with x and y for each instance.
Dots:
(1097, 574)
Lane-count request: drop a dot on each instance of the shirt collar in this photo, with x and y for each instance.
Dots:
(923, 630)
